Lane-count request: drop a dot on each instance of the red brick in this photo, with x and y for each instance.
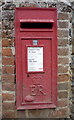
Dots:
(7, 96)
(60, 113)
(63, 86)
(63, 51)
(63, 60)
(8, 86)
(8, 78)
(62, 42)
(62, 69)
(7, 33)
(21, 114)
(40, 113)
(62, 33)
(8, 70)
(8, 114)
(7, 42)
(62, 103)
(63, 78)
(8, 61)
(63, 94)
(7, 52)
(63, 24)
(63, 16)
(8, 106)
(3, 34)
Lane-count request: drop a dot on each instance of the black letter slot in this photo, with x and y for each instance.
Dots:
(37, 25)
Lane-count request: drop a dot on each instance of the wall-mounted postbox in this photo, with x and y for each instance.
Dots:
(36, 57)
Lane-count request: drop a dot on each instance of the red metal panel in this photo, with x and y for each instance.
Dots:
(36, 88)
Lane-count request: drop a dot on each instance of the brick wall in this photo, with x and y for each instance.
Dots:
(8, 62)
(72, 64)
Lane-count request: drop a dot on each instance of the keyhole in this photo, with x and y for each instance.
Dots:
(28, 75)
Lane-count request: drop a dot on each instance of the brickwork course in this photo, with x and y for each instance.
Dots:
(65, 20)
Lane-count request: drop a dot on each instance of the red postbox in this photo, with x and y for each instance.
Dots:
(36, 57)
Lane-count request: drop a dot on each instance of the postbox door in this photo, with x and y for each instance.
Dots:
(36, 59)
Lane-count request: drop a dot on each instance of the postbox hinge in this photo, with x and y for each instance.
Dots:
(15, 102)
(15, 79)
